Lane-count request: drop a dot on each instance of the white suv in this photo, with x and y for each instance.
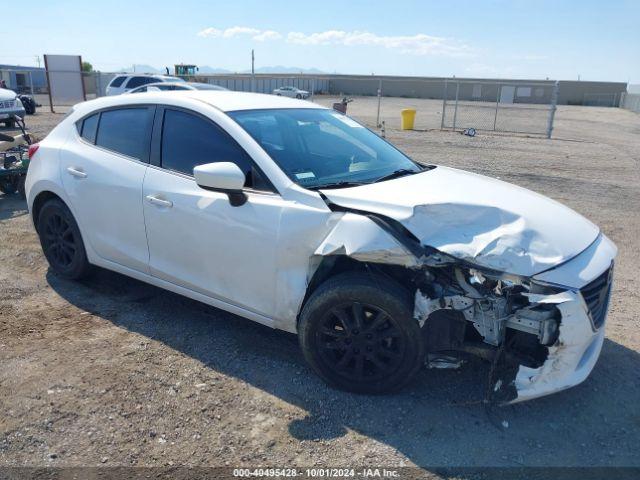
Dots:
(124, 83)
(10, 106)
(297, 217)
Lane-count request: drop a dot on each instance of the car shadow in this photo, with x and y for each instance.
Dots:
(437, 422)
(12, 206)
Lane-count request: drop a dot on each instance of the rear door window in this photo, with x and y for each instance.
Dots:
(126, 131)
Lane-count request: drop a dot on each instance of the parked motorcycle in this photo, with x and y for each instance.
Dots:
(14, 159)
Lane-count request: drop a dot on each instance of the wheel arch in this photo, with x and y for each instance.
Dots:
(39, 201)
(360, 243)
(334, 265)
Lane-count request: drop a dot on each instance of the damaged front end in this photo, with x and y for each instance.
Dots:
(542, 333)
(540, 337)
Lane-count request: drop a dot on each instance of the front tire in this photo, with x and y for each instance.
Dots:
(358, 333)
(61, 241)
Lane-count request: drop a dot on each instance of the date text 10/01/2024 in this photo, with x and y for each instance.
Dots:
(316, 472)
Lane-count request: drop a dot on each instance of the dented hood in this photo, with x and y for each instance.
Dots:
(476, 218)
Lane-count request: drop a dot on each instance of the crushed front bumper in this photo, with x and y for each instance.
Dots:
(583, 307)
(572, 357)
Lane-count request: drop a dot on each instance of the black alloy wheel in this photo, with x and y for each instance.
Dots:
(60, 245)
(358, 333)
(61, 240)
(361, 342)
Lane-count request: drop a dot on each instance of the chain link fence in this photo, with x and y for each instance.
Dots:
(527, 108)
(34, 81)
(266, 84)
(513, 106)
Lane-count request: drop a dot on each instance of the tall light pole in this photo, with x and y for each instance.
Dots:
(253, 71)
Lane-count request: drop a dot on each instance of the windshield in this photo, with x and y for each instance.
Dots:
(320, 148)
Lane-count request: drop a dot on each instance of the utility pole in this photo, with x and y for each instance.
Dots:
(253, 71)
(38, 60)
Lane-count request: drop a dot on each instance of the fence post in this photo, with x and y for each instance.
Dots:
(31, 83)
(444, 104)
(552, 111)
(379, 99)
(495, 117)
(455, 109)
(313, 87)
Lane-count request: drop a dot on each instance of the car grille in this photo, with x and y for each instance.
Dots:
(7, 103)
(596, 295)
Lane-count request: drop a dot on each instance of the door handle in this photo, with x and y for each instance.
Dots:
(76, 172)
(160, 202)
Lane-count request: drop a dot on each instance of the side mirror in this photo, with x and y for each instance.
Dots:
(222, 177)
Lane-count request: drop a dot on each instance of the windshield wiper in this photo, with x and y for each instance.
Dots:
(341, 184)
(398, 173)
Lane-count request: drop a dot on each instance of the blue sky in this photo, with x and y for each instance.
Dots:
(598, 40)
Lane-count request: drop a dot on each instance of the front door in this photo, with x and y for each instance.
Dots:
(196, 238)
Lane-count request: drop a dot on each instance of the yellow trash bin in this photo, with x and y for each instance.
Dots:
(408, 118)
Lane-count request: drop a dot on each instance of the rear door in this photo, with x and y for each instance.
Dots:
(103, 167)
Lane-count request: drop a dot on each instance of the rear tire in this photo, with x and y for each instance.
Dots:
(29, 105)
(358, 333)
(298, 96)
(61, 241)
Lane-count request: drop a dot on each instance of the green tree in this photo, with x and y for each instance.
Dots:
(87, 67)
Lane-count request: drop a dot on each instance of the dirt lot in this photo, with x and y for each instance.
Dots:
(112, 371)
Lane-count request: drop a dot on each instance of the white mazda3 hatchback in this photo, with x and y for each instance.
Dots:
(299, 218)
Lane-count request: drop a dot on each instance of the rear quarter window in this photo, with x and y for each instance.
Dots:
(116, 82)
(89, 127)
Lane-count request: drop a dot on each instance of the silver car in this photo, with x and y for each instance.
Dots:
(292, 92)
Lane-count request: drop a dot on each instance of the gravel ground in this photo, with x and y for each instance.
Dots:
(112, 371)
